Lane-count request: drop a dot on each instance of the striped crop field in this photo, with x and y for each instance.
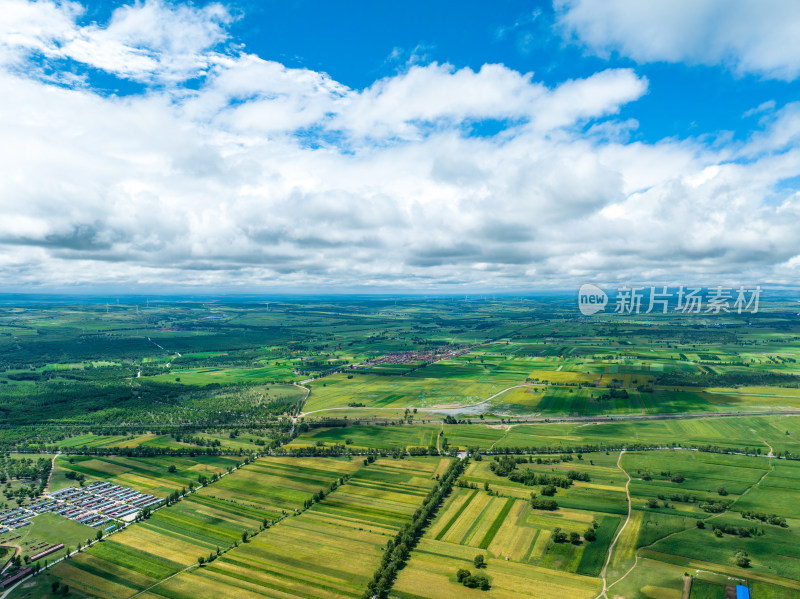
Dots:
(431, 572)
(173, 538)
(145, 474)
(329, 550)
(149, 551)
(277, 484)
(516, 539)
(508, 528)
(91, 441)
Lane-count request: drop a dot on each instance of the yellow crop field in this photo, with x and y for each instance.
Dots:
(434, 565)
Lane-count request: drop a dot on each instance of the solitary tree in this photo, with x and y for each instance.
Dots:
(479, 561)
(742, 559)
(477, 581)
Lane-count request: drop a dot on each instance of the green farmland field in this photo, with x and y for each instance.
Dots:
(148, 475)
(158, 396)
(330, 550)
(737, 433)
(172, 539)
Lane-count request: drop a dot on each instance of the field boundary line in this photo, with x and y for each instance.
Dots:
(162, 581)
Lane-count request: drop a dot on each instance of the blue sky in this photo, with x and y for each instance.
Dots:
(398, 146)
(357, 43)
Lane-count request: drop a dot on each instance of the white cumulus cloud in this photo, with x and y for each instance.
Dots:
(262, 175)
(744, 35)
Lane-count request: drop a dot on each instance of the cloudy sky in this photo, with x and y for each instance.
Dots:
(417, 146)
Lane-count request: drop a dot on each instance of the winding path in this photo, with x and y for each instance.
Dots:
(771, 453)
(52, 468)
(619, 534)
(305, 399)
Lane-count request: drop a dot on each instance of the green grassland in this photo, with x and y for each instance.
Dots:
(667, 532)
(757, 433)
(446, 382)
(378, 437)
(227, 376)
(46, 530)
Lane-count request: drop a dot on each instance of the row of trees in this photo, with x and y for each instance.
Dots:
(507, 466)
(399, 548)
(773, 519)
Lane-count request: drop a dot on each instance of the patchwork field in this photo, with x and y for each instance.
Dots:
(670, 510)
(490, 515)
(329, 550)
(758, 433)
(198, 377)
(148, 475)
(174, 537)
